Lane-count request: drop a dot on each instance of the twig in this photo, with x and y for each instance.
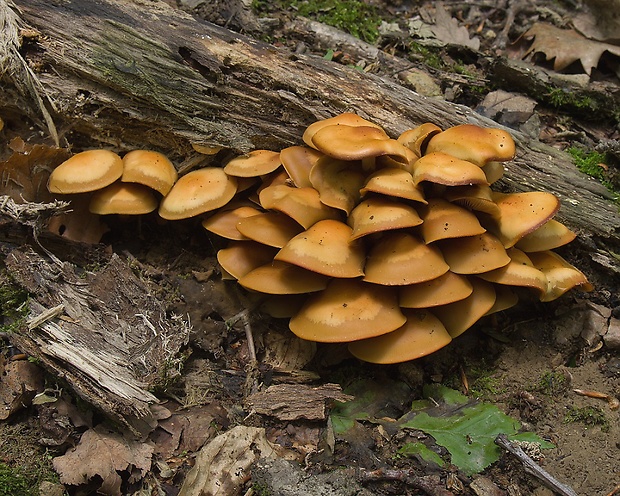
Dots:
(532, 468)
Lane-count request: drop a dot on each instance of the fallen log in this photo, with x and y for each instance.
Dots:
(130, 74)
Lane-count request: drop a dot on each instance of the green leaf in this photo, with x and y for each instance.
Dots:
(468, 435)
(423, 451)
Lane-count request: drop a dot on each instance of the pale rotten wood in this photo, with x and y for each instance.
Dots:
(144, 74)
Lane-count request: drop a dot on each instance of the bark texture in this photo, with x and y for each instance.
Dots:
(143, 74)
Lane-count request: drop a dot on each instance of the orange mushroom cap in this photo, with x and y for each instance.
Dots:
(301, 204)
(475, 197)
(326, 248)
(395, 182)
(417, 138)
(282, 278)
(474, 254)
(253, 164)
(459, 316)
(270, 228)
(124, 199)
(442, 220)
(442, 168)
(552, 234)
(86, 171)
(298, 161)
(151, 168)
(520, 271)
(376, 214)
(447, 288)
(399, 259)
(338, 182)
(348, 310)
(475, 144)
(561, 275)
(224, 222)
(241, 257)
(197, 192)
(421, 335)
(346, 118)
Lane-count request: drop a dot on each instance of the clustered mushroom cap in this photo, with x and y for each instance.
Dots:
(447, 288)
(224, 222)
(197, 192)
(269, 228)
(338, 182)
(253, 164)
(301, 204)
(377, 214)
(442, 168)
(298, 161)
(443, 220)
(282, 278)
(124, 199)
(393, 181)
(86, 171)
(151, 168)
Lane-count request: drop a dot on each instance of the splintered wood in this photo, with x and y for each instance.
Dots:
(108, 335)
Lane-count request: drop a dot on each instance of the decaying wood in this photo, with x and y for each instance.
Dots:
(132, 74)
(108, 336)
(296, 401)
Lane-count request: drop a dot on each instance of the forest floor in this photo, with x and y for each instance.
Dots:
(527, 361)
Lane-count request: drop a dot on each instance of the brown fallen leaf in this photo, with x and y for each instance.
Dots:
(565, 46)
(447, 29)
(103, 453)
(21, 381)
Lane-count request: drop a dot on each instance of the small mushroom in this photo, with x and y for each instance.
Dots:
(348, 310)
(474, 254)
(269, 228)
(124, 199)
(197, 192)
(421, 335)
(443, 220)
(338, 182)
(475, 144)
(326, 248)
(241, 257)
(459, 316)
(399, 259)
(224, 222)
(561, 275)
(86, 171)
(417, 139)
(447, 288)
(442, 168)
(377, 214)
(282, 278)
(297, 161)
(151, 168)
(520, 214)
(301, 204)
(476, 197)
(520, 271)
(394, 182)
(493, 171)
(552, 234)
(346, 118)
(253, 164)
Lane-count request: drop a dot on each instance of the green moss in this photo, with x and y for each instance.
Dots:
(430, 56)
(588, 415)
(590, 163)
(13, 304)
(558, 97)
(352, 16)
(551, 383)
(13, 482)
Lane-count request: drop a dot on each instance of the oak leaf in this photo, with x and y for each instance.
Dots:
(565, 46)
(104, 454)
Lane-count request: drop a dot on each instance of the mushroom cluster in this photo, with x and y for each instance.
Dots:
(395, 246)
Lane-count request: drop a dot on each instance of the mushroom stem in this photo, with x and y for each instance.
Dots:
(244, 316)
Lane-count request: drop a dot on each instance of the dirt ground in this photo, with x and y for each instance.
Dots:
(528, 361)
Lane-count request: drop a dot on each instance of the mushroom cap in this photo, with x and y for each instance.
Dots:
(151, 168)
(399, 259)
(326, 248)
(283, 306)
(442, 168)
(357, 143)
(520, 214)
(283, 278)
(475, 144)
(241, 257)
(447, 288)
(552, 234)
(348, 310)
(395, 182)
(376, 214)
(493, 171)
(197, 192)
(297, 161)
(86, 171)
(224, 222)
(421, 335)
(459, 316)
(253, 164)
(442, 220)
(270, 228)
(123, 198)
(520, 271)
(474, 254)
(475, 197)
(346, 118)
(338, 182)
(505, 297)
(301, 204)
(417, 138)
(561, 275)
